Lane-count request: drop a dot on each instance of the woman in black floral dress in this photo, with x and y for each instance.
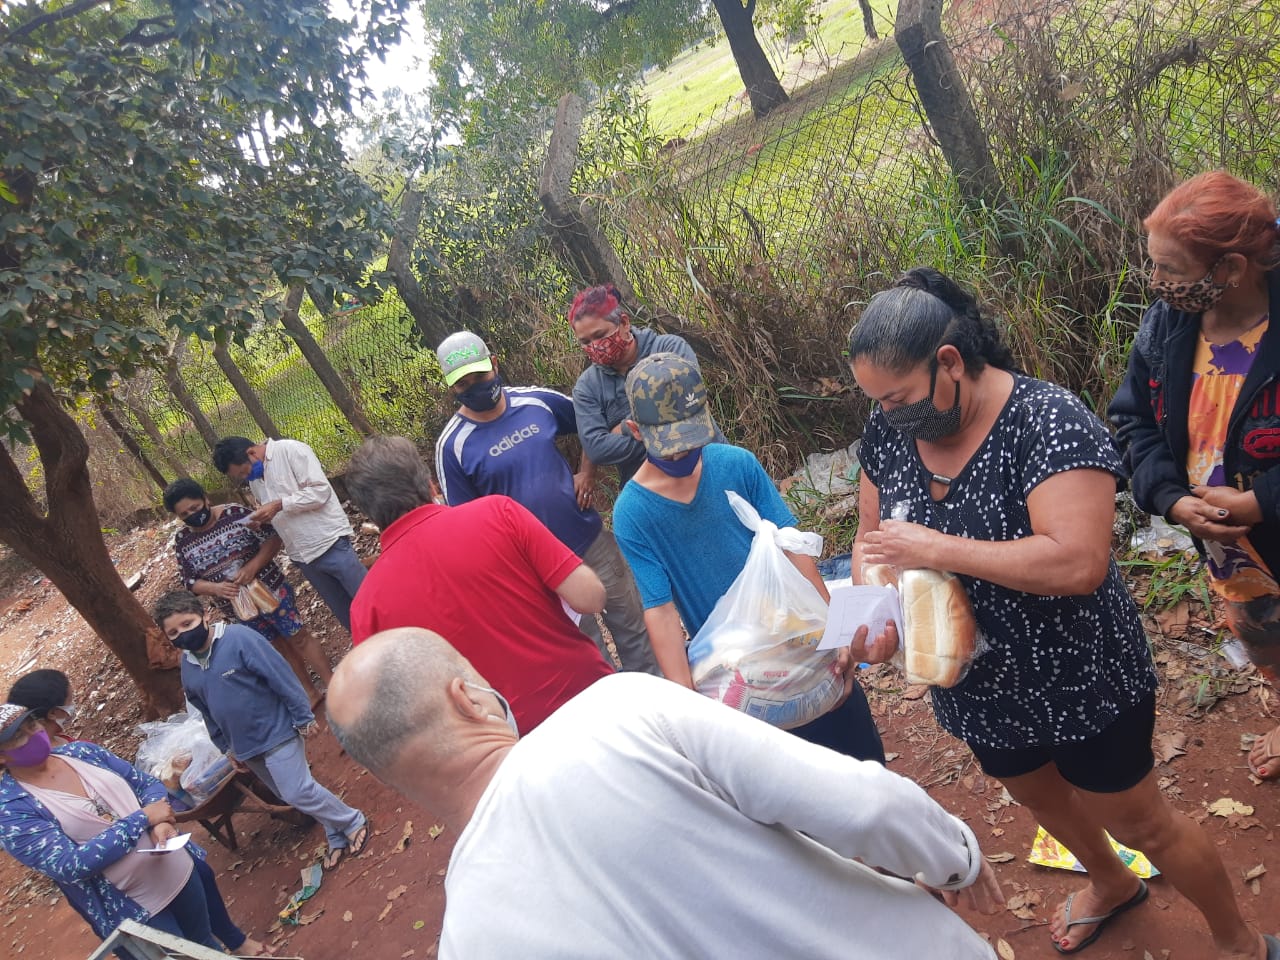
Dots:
(1009, 482)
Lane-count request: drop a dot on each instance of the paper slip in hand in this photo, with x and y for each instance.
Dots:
(859, 605)
(170, 845)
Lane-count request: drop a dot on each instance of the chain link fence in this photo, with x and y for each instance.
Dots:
(760, 240)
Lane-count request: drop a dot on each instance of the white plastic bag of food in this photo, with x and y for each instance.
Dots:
(178, 752)
(757, 651)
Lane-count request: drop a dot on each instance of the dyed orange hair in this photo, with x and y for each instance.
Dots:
(1214, 214)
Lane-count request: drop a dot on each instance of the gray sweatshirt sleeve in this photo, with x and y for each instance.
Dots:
(601, 446)
(263, 660)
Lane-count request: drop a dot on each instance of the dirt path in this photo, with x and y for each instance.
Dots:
(389, 902)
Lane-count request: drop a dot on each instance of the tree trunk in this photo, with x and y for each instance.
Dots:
(66, 545)
(433, 323)
(248, 396)
(342, 397)
(162, 446)
(868, 20)
(173, 377)
(125, 437)
(763, 86)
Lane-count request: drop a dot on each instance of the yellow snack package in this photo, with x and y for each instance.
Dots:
(1048, 852)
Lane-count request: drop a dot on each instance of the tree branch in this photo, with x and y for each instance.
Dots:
(64, 451)
(138, 36)
(47, 19)
(17, 505)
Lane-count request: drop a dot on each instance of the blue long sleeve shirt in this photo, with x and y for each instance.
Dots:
(249, 697)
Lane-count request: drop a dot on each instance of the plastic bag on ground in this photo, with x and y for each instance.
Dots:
(757, 650)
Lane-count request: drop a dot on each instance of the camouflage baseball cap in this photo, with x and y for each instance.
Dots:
(12, 717)
(460, 354)
(669, 403)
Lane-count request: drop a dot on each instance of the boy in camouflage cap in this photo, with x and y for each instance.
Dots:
(683, 541)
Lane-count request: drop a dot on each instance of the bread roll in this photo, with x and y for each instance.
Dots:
(879, 575)
(938, 628)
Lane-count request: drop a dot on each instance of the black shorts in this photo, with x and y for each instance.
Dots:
(1108, 762)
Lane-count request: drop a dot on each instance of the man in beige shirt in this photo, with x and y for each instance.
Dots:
(299, 502)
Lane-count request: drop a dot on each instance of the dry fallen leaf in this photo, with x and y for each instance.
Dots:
(1169, 745)
(890, 757)
(407, 953)
(346, 917)
(406, 838)
(915, 691)
(385, 910)
(438, 828)
(1002, 857)
(1003, 948)
(306, 918)
(397, 892)
(1255, 873)
(419, 924)
(1225, 807)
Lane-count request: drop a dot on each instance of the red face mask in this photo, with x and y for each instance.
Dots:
(607, 351)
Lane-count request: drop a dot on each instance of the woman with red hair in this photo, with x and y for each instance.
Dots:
(1199, 412)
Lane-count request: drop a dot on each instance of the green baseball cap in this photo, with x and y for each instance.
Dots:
(669, 403)
(460, 354)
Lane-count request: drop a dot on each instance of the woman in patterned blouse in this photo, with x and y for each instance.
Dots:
(1009, 482)
(81, 816)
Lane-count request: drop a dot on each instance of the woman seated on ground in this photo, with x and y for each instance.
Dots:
(1199, 413)
(218, 553)
(80, 815)
(47, 694)
(1009, 482)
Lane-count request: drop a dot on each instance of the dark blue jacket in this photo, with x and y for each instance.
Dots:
(1149, 413)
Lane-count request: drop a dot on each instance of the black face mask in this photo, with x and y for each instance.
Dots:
(192, 639)
(199, 518)
(481, 397)
(922, 420)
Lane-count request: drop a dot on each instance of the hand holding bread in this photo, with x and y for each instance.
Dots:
(938, 631)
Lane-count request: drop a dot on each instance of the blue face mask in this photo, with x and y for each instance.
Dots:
(256, 468)
(481, 397)
(678, 468)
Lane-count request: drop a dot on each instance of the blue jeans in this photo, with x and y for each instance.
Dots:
(336, 574)
(187, 914)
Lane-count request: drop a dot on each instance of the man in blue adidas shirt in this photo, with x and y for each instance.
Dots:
(502, 440)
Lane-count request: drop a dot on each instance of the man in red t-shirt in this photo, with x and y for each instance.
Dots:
(485, 575)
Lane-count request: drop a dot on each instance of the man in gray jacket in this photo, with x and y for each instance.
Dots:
(603, 328)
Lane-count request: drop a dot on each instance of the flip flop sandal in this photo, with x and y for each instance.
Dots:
(1273, 754)
(365, 832)
(1101, 921)
(333, 857)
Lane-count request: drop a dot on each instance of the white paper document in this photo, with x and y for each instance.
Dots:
(857, 605)
(170, 845)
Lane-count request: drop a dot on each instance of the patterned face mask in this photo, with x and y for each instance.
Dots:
(1190, 296)
(922, 420)
(607, 351)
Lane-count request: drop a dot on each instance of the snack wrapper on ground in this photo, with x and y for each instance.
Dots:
(1048, 852)
(757, 652)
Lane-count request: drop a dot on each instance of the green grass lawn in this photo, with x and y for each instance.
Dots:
(703, 82)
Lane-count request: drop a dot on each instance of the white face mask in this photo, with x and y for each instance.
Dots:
(70, 710)
(510, 718)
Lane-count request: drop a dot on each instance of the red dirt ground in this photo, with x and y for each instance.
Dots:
(388, 904)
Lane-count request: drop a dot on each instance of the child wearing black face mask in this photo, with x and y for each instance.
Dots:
(257, 713)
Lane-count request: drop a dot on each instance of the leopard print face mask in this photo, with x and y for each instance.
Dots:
(1191, 296)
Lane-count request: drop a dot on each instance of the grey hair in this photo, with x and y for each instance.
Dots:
(387, 478)
(408, 698)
